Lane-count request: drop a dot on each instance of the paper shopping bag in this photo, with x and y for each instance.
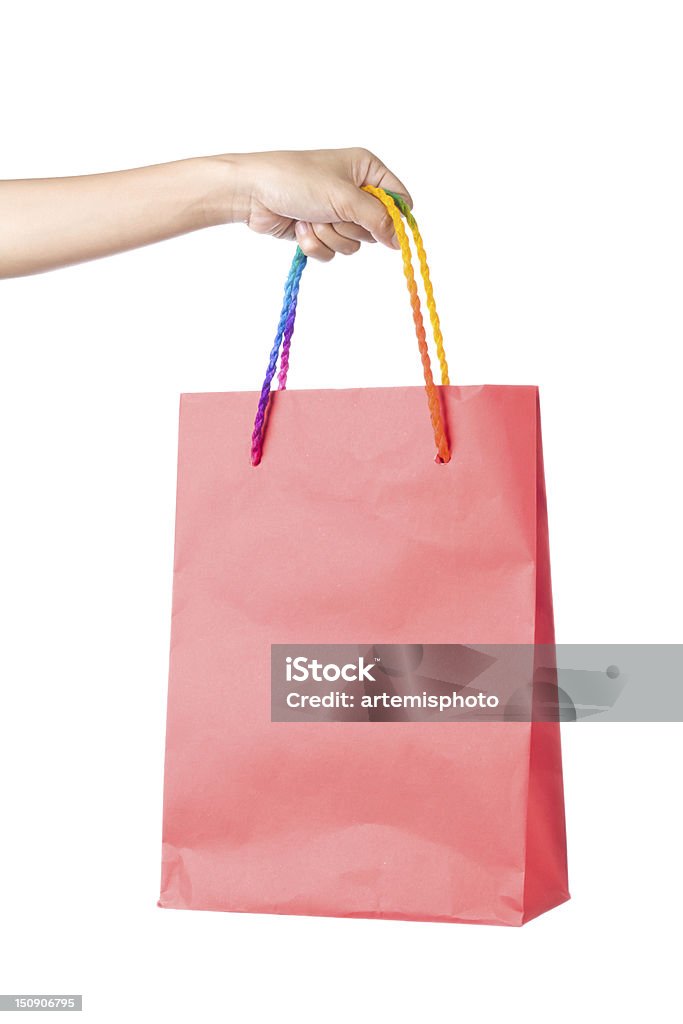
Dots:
(343, 529)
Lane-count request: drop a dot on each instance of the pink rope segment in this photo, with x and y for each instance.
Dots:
(285, 330)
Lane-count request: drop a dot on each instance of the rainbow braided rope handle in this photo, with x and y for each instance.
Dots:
(395, 206)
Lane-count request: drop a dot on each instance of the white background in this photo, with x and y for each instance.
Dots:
(542, 145)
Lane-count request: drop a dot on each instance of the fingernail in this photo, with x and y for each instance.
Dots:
(301, 227)
(395, 244)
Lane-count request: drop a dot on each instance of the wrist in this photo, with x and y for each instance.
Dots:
(226, 197)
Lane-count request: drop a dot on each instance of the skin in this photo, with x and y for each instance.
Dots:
(312, 196)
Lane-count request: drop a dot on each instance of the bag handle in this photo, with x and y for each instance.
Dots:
(395, 206)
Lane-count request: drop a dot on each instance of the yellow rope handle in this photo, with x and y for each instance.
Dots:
(394, 211)
(429, 291)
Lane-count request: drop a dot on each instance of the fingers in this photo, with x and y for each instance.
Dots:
(361, 208)
(391, 183)
(322, 241)
(369, 170)
(310, 244)
(349, 230)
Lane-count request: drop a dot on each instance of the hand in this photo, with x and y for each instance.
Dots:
(315, 197)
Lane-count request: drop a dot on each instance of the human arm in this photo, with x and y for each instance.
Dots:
(314, 196)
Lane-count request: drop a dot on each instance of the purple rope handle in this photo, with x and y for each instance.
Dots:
(285, 330)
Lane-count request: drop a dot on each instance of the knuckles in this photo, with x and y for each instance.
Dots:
(314, 248)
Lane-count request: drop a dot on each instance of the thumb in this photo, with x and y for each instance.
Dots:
(368, 212)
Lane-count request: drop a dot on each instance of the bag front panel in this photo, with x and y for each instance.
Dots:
(347, 533)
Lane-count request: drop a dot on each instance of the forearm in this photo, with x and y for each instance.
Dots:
(53, 222)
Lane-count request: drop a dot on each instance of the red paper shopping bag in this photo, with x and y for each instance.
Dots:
(347, 531)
